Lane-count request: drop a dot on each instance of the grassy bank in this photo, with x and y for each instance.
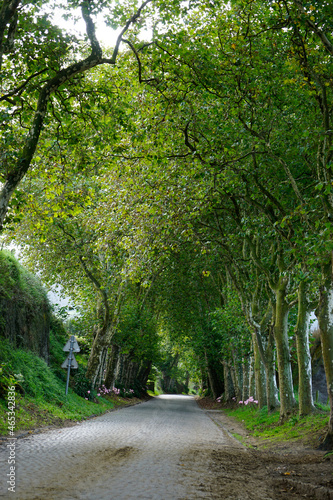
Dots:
(40, 398)
(308, 429)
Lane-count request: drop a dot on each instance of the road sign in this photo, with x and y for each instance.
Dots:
(71, 346)
(73, 362)
(75, 348)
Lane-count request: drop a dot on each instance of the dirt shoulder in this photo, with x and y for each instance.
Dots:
(294, 469)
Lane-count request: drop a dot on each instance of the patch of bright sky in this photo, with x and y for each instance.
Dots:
(106, 36)
(76, 25)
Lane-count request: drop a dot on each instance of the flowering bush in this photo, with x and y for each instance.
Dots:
(248, 401)
(103, 391)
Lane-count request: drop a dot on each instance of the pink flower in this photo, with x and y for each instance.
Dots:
(240, 402)
(88, 392)
(98, 394)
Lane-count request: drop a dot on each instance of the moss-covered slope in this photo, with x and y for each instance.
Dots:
(24, 309)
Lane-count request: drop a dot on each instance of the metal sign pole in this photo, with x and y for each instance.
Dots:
(69, 361)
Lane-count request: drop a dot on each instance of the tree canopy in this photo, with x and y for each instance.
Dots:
(181, 185)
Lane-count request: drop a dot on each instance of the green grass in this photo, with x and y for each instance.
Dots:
(268, 426)
(40, 393)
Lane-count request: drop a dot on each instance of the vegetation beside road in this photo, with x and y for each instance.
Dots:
(40, 391)
(308, 430)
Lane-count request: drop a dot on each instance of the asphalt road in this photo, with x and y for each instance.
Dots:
(159, 450)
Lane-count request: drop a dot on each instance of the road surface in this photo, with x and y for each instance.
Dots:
(153, 450)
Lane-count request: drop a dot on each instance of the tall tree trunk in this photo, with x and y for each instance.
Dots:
(252, 380)
(246, 378)
(287, 399)
(271, 387)
(97, 356)
(303, 352)
(144, 374)
(234, 370)
(259, 373)
(215, 383)
(325, 319)
(228, 386)
(111, 366)
(265, 347)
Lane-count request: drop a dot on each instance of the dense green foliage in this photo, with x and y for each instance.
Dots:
(185, 195)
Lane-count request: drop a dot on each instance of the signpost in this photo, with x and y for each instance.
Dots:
(70, 362)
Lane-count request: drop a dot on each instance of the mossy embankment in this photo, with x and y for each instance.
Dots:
(40, 398)
(25, 312)
(31, 354)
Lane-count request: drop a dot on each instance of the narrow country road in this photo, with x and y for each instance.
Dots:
(149, 451)
(162, 449)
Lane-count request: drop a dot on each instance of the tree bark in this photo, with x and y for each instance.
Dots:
(252, 381)
(259, 374)
(287, 399)
(234, 369)
(111, 366)
(303, 352)
(215, 383)
(271, 387)
(228, 386)
(246, 379)
(325, 319)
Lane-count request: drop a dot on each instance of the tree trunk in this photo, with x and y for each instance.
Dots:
(325, 319)
(97, 356)
(215, 383)
(252, 381)
(144, 374)
(234, 370)
(265, 348)
(246, 379)
(259, 374)
(303, 352)
(111, 367)
(287, 399)
(228, 386)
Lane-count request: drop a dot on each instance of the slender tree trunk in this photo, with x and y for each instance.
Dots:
(259, 374)
(271, 387)
(120, 370)
(287, 399)
(303, 352)
(234, 370)
(97, 356)
(325, 319)
(228, 387)
(252, 380)
(215, 383)
(111, 367)
(144, 374)
(265, 347)
(246, 378)
(100, 374)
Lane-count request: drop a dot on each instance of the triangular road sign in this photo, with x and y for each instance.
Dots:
(76, 347)
(73, 363)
